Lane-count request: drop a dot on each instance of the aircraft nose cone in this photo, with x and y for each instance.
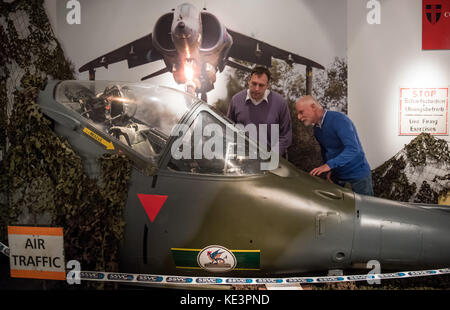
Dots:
(182, 30)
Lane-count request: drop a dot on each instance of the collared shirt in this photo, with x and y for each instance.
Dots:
(319, 124)
(266, 94)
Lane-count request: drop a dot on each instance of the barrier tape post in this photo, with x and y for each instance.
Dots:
(169, 279)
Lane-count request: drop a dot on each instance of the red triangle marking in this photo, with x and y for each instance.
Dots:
(152, 204)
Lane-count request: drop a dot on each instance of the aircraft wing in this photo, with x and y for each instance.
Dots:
(247, 48)
(137, 53)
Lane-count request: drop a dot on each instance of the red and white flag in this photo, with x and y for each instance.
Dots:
(435, 24)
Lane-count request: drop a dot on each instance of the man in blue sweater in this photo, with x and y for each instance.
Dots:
(258, 105)
(345, 161)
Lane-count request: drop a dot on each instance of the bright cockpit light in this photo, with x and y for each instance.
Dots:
(139, 115)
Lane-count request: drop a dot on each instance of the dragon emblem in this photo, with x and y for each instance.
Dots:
(215, 257)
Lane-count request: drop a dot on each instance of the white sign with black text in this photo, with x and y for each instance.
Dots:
(423, 110)
(36, 252)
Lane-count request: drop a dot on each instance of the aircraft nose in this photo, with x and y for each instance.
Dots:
(182, 30)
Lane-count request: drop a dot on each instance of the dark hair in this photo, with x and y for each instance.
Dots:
(261, 70)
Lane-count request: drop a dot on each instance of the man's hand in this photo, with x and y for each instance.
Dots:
(320, 170)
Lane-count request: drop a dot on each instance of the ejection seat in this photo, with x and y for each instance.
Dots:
(134, 137)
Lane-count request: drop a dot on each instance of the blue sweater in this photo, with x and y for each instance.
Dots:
(341, 148)
(275, 111)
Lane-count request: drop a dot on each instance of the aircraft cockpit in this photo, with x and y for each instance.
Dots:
(154, 121)
(138, 115)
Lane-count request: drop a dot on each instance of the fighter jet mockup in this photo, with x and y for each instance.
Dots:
(194, 216)
(194, 45)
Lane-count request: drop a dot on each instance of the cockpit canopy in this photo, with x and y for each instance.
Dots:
(135, 113)
(144, 117)
(109, 103)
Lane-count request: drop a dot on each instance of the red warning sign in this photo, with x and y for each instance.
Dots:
(152, 204)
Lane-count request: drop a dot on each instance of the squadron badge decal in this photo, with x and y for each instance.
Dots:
(216, 258)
